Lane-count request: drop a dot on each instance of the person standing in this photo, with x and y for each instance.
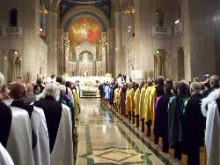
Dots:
(193, 125)
(211, 110)
(161, 117)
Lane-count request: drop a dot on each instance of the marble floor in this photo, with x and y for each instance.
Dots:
(105, 140)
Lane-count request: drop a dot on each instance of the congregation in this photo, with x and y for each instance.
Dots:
(38, 122)
(184, 115)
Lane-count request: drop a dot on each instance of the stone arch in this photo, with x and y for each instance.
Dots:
(55, 5)
(13, 65)
(160, 61)
(92, 11)
(86, 56)
(180, 62)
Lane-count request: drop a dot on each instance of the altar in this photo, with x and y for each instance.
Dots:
(89, 85)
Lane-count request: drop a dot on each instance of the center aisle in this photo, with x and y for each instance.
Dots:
(105, 140)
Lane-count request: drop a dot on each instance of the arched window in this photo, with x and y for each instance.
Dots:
(159, 17)
(13, 17)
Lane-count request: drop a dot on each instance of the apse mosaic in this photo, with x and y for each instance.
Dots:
(84, 28)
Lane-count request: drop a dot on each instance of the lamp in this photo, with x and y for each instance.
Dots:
(130, 8)
(43, 9)
(177, 21)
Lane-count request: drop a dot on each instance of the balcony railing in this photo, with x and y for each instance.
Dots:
(161, 30)
(11, 31)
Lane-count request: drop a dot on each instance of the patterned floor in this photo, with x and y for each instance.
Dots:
(105, 140)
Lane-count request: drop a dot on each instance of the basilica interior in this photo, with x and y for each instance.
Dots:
(176, 39)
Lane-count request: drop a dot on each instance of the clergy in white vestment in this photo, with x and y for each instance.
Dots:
(210, 109)
(58, 117)
(19, 143)
(5, 158)
(15, 131)
(40, 137)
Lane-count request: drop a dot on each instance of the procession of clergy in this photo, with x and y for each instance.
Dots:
(38, 122)
(184, 114)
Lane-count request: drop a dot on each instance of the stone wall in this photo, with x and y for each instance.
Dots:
(29, 45)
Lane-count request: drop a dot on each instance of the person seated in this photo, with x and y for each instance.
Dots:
(40, 138)
(59, 124)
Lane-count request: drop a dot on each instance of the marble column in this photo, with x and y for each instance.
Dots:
(52, 43)
(111, 51)
(202, 37)
(118, 44)
(61, 57)
(217, 33)
(30, 36)
(104, 39)
(66, 51)
(143, 37)
(186, 41)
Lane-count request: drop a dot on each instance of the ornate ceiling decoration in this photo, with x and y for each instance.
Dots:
(104, 5)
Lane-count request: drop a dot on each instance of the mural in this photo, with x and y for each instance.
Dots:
(85, 35)
(84, 28)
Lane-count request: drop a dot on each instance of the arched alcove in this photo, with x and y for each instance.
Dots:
(160, 60)
(13, 65)
(85, 56)
(159, 17)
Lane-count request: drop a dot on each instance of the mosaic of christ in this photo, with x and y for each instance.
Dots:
(84, 28)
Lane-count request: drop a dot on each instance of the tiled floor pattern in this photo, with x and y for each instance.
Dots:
(105, 140)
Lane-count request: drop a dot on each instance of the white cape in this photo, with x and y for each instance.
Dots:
(5, 158)
(212, 133)
(62, 153)
(19, 144)
(42, 149)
